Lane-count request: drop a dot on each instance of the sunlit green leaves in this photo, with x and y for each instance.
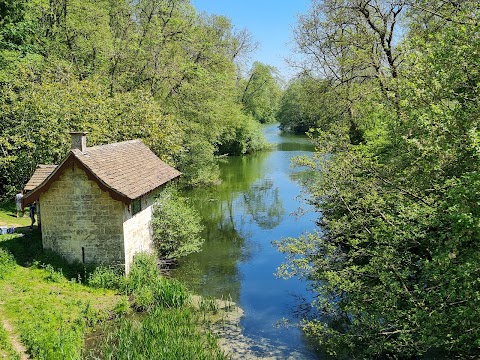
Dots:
(396, 262)
(261, 93)
(154, 70)
(176, 226)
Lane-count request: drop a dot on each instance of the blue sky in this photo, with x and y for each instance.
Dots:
(269, 21)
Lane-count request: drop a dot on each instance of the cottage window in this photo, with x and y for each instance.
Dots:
(136, 206)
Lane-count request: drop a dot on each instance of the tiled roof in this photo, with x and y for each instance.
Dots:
(130, 167)
(127, 170)
(40, 174)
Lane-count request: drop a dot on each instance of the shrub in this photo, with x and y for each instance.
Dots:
(107, 278)
(176, 226)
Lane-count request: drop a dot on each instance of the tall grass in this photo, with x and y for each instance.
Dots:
(168, 329)
(107, 277)
(164, 333)
(144, 283)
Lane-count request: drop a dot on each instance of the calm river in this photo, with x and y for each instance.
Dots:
(254, 205)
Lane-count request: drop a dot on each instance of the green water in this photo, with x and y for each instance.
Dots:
(255, 205)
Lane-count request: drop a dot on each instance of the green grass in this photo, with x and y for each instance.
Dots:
(43, 297)
(51, 312)
(8, 216)
(164, 333)
(53, 305)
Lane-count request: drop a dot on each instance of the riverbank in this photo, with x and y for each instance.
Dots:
(48, 307)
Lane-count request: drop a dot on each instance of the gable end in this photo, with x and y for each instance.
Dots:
(69, 165)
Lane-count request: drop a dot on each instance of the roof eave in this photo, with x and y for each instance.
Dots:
(175, 178)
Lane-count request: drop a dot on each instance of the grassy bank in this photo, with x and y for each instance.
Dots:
(6, 348)
(52, 307)
(49, 311)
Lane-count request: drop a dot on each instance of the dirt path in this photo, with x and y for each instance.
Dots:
(14, 340)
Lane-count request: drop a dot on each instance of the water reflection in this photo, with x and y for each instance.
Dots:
(295, 146)
(242, 216)
(263, 204)
(214, 271)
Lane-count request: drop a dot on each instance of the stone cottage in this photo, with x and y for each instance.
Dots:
(96, 205)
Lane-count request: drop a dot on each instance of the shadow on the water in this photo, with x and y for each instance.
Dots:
(295, 146)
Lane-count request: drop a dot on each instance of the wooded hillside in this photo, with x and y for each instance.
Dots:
(150, 69)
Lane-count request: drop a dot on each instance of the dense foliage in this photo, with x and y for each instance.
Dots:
(176, 226)
(261, 92)
(307, 103)
(395, 263)
(155, 70)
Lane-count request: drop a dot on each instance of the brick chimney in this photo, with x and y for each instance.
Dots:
(79, 140)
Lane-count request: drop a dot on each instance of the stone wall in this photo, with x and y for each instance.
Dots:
(81, 222)
(138, 234)
(138, 229)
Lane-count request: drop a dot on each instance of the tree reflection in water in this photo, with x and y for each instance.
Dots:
(263, 204)
(224, 247)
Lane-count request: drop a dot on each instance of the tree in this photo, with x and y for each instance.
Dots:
(261, 93)
(154, 70)
(393, 264)
(176, 226)
(353, 44)
(309, 103)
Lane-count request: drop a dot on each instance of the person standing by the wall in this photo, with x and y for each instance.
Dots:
(18, 202)
(33, 210)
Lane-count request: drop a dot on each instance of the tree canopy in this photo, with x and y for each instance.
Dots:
(155, 70)
(261, 92)
(395, 258)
